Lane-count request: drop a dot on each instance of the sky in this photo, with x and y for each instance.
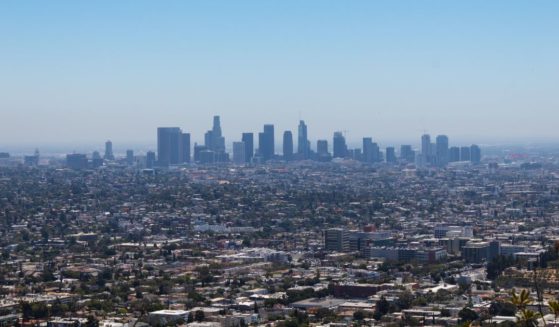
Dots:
(78, 73)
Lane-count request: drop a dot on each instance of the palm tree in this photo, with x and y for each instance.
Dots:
(554, 307)
(528, 318)
(522, 300)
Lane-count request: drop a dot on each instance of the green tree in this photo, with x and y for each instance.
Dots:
(199, 315)
(468, 315)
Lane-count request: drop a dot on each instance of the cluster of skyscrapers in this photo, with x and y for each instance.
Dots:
(173, 148)
(440, 154)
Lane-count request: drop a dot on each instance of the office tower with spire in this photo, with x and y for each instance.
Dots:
(287, 146)
(248, 140)
(109, 151)
(218, 141)
(303, 146)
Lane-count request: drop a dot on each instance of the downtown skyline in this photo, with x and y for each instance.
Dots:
(89, 72)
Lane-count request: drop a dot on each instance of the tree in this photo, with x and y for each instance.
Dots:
(382, 307)
(91, 321)
(528, 318)
(359, 315)
(521, 300)
(554, 307)
(468, 315)
(199, 315)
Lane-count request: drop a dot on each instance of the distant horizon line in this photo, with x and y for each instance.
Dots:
(120, 148)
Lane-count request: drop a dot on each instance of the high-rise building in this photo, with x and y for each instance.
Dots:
(454, 154)
(32, 160)
(185, 147)
(150, 159)
(239, 157)
(340, 146)
(169, 146)
(336, 239)
(248, 140)
(129, 157)
(303, 146)
(426, 149)
(209, 139)
(76, 161)
(368, 155)
(442, 150)
(197, 150)
(287, 145)
(266, 142)
(213, 139)
(407, 154)
(96, 160)
(390, 155)
(109, 151)
(322, 147)
(465, 153)
(218, 141)
(475, 154)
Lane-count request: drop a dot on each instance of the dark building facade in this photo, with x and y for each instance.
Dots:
(340, 146)
(248, 140)
(287, 145)
(442, 150)
(266, 142)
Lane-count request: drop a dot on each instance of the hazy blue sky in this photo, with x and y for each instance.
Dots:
(84, 71)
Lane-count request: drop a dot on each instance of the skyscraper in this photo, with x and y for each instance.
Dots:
(465, 153)
(209, 140)
(168, 146)
(322, 147)
(130, 157)
(407, 154)
(239, 157)
(475, 154)
(266, 142)
(150, 159)
(390, 155)
(109, 151)
(454, 154)
(213, 139)
(442, 150)
(76, 161)
(303, 141)
(248, 140)
(218, 139)
(340, 146)
(368, 155)
(426, 149)
(287, 145)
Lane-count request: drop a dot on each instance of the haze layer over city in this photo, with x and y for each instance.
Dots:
(74, 73)
(279, 163)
